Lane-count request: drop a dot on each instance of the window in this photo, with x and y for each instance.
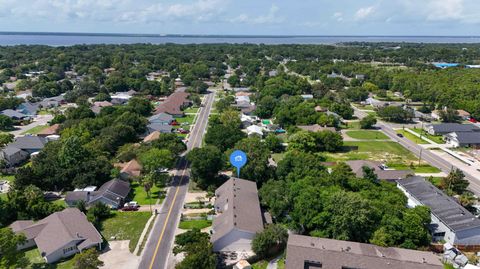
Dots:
(312, 265)
(66, 250)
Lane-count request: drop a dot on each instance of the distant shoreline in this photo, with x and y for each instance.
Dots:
(71, 39)
(227, 36)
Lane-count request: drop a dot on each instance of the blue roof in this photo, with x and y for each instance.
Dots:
(445, 65)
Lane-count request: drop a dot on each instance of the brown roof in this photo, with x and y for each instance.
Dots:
(174, 103)
(463, 113)
(132, 168)
(52, 130)
(357, 168)
(238, 207)
(243, 94)
(316, 128)
(151, 137)
(336, 254)
(61, 228)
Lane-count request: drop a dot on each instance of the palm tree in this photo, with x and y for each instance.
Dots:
(147, 185)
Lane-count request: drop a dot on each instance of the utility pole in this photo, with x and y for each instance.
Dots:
(420, 157)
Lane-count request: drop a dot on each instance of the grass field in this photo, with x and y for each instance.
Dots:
(191, 224)
(435, 138)
(187, 118)
(366, 134)
(260, 265)
(191, 110)
(36, 129)
(423, 168)
(139, 194)
(8, 178)
(385, 151)
(352, 125)
(125, 226)
(37, 262)
(412, 137)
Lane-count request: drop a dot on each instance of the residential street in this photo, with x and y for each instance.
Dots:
(160, 241)
(426, 154)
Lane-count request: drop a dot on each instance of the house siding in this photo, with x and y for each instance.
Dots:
(59, 253)
(235, 240)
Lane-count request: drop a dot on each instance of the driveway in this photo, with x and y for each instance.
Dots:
(39, 120)
(117, 256)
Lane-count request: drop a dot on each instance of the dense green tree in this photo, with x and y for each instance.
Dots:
(395, 114)
(10, 256)
(455, 182)
(87, 259)
(205, 163)
(155, 159)
(6, 123)
(257, 167)
(368, 122)
(273, 143)
(271, 240)
(450, 115)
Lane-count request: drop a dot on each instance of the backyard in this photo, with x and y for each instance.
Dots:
(192, 109)
(125, 226)
(37, 262)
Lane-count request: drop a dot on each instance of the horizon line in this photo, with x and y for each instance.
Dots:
(216, 35)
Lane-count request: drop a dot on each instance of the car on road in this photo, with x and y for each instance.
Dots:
(400, 135)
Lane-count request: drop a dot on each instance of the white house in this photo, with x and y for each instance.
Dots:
(254, 130)
(238, 218)
(450, 221)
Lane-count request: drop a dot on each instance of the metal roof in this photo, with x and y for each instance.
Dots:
(447, 210)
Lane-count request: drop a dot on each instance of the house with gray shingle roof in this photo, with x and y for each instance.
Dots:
(315, 252)
(445, 128)
(13, 155)
(238, 218)
(29, 143)
(14, 115)
(113, 193)
(60, 235)
(463, 139)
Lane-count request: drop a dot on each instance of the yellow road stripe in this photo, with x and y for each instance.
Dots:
(170, 210)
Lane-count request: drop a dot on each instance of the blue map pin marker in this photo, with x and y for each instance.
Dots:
(238, 159)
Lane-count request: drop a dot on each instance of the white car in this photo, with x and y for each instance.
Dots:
(133, 204)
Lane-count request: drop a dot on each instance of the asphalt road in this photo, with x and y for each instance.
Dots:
(160, 242)
(425, 154)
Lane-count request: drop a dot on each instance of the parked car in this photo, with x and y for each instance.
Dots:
(174, 123)
(131, 206)
(400, 135)
(183, 131)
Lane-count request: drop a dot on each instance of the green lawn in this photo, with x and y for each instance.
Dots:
(3, 196)
(260, 265)
(60, 202)
(139, 194)
(36, 129)
(187, 118)
(125, 226)
(278, 157)
(37, 262)
(8, 178)
(386, 151)
(412, 137)
(281, 263)
(423, 168)
(435, 138)
(191, 224)
(352, 125)
(366, 135)
(191, 110)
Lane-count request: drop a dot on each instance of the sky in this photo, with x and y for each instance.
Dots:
(244, 17)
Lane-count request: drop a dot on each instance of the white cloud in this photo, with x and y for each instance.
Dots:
(269, 18)
(338, 16)
(364, 13)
